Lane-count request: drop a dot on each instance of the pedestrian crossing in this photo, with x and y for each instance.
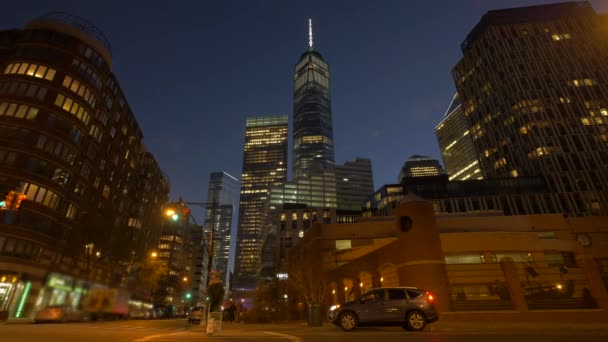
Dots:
(127, 327)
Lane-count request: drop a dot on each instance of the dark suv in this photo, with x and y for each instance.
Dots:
(409, 307)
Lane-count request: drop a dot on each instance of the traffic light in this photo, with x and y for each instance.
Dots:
(188, 295)
(9, 198)
(19, 199)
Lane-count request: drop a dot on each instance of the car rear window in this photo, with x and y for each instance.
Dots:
(396, 294)
(413, 293)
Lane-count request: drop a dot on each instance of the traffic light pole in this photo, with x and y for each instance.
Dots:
(211, 235)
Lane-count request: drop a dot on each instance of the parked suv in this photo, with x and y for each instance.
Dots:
(409, 307)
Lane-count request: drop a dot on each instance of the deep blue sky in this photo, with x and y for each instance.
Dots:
(193, 70)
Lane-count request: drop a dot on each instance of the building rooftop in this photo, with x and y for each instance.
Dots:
(527, 14)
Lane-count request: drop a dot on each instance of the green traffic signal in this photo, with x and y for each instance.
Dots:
(188, 296)
(175, 217)
(2, 204)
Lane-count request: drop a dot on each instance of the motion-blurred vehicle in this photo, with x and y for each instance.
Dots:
(58, 313)
(107, 303)
(410, 307)
(195, 315)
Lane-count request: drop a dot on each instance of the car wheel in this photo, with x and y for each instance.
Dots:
(348, 321)
(415, 321)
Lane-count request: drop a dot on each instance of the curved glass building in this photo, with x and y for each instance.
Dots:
(80, 196)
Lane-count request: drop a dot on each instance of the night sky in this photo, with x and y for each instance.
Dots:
(192, 71)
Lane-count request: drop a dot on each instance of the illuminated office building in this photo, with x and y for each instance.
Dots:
(457, 147)
(420, 166)
(264, 167)
(534, 89)
(312, 118)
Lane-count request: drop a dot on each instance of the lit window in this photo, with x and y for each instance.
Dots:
(343, 244)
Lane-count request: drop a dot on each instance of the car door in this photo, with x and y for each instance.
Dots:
(395, 305)
(370, 306)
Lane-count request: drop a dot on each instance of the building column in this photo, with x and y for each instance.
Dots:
(356, 287)
(376, 280)
(594, 279)
(340, 295)
(417, 253)
(513, 284)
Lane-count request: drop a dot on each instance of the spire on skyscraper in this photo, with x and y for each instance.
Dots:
(310, 34)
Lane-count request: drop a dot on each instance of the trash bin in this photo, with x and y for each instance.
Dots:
(314, 315)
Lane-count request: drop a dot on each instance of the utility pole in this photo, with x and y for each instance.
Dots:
(211, 235)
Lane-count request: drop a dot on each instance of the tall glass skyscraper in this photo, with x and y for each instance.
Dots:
(312, 125)
(264, 166)
(222, 199)
(457, 147)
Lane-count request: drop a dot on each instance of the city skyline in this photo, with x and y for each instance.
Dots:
(275, 38)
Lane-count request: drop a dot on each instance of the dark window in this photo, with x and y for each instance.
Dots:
(374, 295)
(396, 294)
(413, 293)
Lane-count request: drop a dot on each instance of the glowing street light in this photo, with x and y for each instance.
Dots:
(170, 212)
(185, 279)
(153, 254)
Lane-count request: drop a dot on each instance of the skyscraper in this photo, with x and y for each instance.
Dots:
(222, 200)
(457, 147)
(264, 166)
(534, 93)
(312, 124)
(420, 166)
(354, 182)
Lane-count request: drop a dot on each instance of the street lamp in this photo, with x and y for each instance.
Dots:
(185, 279)
(153, 255)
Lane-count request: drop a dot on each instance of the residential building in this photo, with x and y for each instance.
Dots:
(420, 166)
(264, 167)
(220, 212)
(71, 151)
(533, 87)
(312, 117)
(460, 157)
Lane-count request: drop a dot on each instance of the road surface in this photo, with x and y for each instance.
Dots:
(179, 330)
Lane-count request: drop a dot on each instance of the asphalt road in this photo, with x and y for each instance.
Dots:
(179, 330)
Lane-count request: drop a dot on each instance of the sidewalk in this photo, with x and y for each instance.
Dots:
(440, 326)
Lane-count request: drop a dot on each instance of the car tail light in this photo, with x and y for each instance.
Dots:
(430, 297)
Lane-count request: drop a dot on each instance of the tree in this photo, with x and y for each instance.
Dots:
(148, 277)
(307, 276)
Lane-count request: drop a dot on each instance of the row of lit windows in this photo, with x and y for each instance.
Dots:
(87, 73)
(79, 89)
(40, 195)
(134, 223)
(586, 82)
(23, 89)
(39, 71)
(73, 107)
(543, 151)
(71, 212)
(19, 111)
(95, 132)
